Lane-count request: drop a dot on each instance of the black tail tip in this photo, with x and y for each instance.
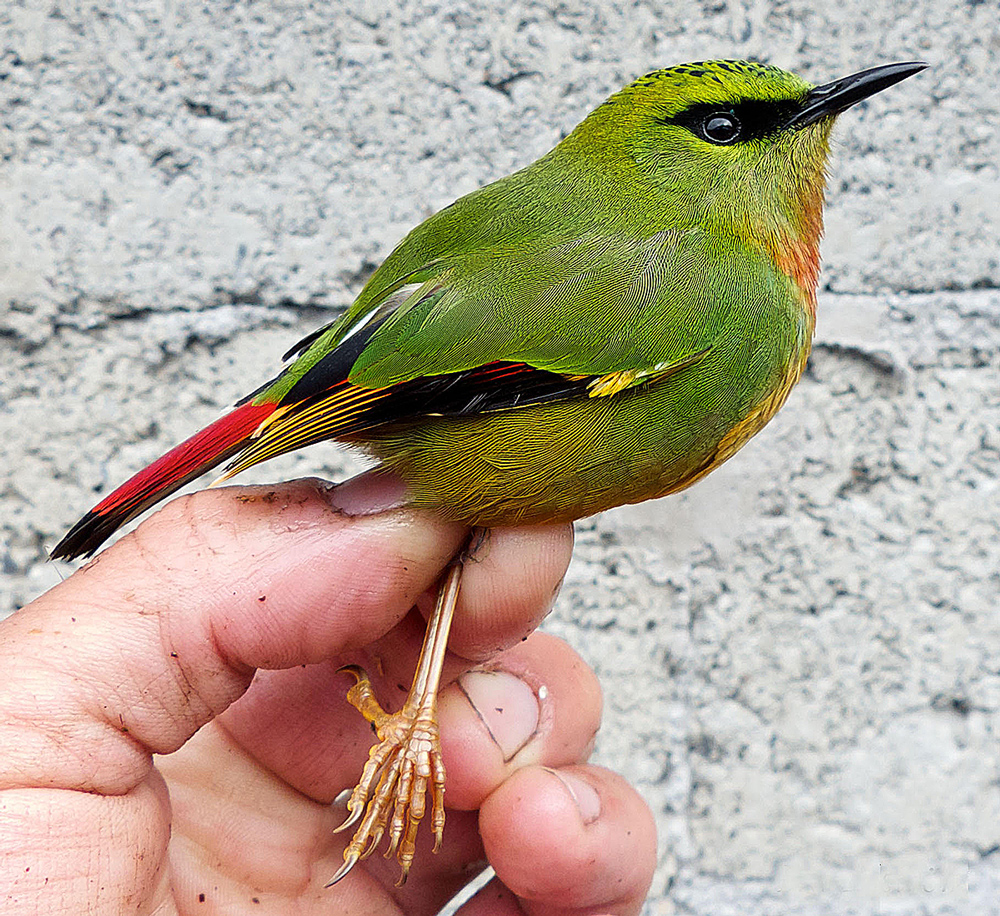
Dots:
(83, 539)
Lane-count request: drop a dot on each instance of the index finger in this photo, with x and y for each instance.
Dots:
(135, 652)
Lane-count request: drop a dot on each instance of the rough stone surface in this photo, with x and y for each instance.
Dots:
(802, 654)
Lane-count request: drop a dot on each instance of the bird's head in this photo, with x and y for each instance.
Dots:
(735, 146)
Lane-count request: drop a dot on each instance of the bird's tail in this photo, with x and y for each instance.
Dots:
(202, 452)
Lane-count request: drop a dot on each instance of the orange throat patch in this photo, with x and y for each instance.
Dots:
(798, 259)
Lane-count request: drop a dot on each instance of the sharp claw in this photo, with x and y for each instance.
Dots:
(352, 819)
(371, 844)
(405, 763)
(349, 862)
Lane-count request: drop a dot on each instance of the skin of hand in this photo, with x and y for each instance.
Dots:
(173, 727)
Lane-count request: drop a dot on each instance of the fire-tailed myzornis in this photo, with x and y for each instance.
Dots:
(605, 326)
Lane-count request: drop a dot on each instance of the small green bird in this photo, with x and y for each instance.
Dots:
(602, 327)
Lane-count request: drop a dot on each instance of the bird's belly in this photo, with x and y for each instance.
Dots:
(570, 459)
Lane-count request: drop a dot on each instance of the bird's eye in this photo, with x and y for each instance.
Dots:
(721, 127)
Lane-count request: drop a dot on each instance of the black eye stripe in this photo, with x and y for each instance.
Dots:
(755, 118)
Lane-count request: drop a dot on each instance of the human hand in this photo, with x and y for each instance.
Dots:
(213, 635)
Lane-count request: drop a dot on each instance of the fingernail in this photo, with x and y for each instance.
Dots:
(505, 704)
(584, 795)
(369, 494)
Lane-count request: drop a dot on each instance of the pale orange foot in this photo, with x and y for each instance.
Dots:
(406, 762)
(391, 792)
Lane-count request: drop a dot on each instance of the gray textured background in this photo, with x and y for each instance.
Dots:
(802, 654)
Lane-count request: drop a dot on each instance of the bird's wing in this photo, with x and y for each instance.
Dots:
(596, 305)
(497, 329)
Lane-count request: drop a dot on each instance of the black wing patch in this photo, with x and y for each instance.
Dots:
(344, 410)
(497, 386)
(329, 371)
(333, 368)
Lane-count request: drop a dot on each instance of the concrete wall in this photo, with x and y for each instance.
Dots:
(802, 654)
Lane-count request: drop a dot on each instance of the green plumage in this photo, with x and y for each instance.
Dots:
(604, 326)
(622, 192)
(633, 246)
(578, 456)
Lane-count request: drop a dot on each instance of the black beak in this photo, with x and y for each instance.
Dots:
(835, 97)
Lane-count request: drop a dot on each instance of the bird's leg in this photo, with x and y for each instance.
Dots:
(407, 759)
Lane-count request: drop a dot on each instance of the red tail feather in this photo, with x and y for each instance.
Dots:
(202, 452)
